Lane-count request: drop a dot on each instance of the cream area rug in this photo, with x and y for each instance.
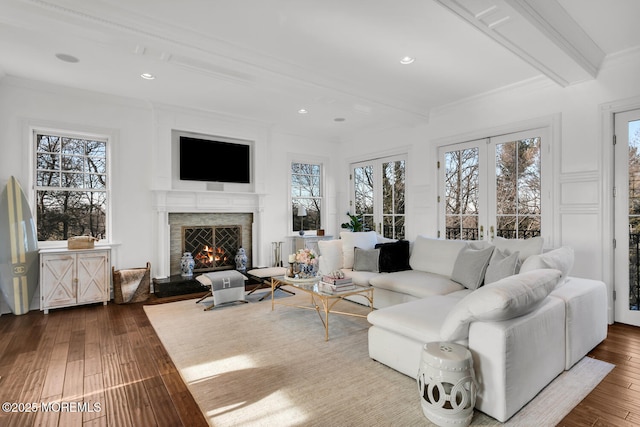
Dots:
(246, 365)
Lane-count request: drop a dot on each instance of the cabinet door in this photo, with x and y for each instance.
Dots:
(58, 284)
(93, 277)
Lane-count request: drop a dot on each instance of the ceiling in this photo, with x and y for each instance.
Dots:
(264, 60)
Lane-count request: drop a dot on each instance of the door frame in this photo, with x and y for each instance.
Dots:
(607, 117)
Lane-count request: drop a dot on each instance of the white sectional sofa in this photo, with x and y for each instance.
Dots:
(522, 316)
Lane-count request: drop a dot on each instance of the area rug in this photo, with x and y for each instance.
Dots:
(251, 366)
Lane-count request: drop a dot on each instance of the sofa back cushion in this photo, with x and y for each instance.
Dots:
(330, 255)
(560, 259)
(525, 247)
(505, 299)
(435, 255)
(355, 239)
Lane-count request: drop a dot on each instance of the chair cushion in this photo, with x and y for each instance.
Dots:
(505, 299)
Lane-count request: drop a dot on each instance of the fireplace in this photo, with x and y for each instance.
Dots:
(212, 247)
(212, 238)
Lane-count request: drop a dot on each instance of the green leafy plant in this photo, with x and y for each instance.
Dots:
(355, 223)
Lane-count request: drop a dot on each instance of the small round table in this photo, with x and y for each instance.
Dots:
(447, 385)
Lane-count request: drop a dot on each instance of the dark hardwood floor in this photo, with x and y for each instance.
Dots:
(105, 366)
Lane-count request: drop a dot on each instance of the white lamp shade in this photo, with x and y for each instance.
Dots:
(302, 211)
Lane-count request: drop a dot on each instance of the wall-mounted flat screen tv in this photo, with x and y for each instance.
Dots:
(214, 161)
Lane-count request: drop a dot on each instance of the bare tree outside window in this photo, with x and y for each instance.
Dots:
(71, 187)
(306, 190)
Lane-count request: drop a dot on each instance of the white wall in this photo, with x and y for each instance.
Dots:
(140, 157)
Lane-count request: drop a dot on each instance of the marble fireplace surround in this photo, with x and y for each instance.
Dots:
(206, 204)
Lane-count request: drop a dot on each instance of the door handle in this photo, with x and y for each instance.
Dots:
(491, 233)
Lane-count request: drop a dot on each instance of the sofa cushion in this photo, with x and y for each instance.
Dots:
(501, 265)
(366, 259)
(358, 239)
(435, 255)
(331, 255)
(470, 267)
(526, 247)
(361, 278)
(505, 299)
(416, 283)
(560, 259)
(394, 256)
(420, 320)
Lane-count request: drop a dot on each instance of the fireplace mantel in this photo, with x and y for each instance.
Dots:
(207, 201)
(189, 201)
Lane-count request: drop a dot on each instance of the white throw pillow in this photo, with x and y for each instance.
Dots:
(501, 265)
(526, 247)
(355, 239)
(331, 253)
(470, 267)
(505, 299)
(435, 255)
(560, 259)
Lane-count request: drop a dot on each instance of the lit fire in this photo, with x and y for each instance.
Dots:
(210, 256)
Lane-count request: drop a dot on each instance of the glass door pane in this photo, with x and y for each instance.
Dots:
(364, 195)
(393, 207)
(517, 188)
(461, 194)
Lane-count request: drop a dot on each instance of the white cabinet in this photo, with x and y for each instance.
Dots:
(74, 277)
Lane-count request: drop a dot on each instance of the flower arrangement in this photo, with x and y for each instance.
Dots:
(303, 264)
(306, 256)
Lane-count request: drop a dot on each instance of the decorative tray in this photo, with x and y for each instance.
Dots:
(302, 280)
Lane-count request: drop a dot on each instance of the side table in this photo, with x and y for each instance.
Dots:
(447, 385)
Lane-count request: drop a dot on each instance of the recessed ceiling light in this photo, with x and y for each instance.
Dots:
(407, 60)
(147, 76)
(339, 119)
(67, 58)
(302, 111)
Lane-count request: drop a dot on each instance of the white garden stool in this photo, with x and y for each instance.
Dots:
(447, 385)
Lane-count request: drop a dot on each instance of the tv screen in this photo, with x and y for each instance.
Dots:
(214, 161)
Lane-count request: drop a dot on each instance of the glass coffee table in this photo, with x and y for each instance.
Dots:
(321, 301)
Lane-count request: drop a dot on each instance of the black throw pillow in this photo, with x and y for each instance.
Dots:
(394, 256)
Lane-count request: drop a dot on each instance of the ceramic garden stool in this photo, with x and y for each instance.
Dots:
(447, 385)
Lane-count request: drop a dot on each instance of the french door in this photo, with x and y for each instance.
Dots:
(378, 189)
(492, 187)
(627, 217)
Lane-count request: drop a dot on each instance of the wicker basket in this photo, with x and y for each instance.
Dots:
(81, 242)
(131, 284)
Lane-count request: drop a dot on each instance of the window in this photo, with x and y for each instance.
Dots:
(379, 195)
(306, 196)
(71, 186)
(495, 185)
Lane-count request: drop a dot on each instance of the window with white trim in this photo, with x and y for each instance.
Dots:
(71, 183)
(306, 196)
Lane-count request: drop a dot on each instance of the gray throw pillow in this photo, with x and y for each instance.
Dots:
(366, 259)
(470, 267)
(501, 265)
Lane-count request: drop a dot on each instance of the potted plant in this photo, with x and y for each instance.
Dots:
(355, 223)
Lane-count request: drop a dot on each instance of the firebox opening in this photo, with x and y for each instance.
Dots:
(213, 248)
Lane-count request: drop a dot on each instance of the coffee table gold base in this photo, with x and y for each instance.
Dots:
(321, 302)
